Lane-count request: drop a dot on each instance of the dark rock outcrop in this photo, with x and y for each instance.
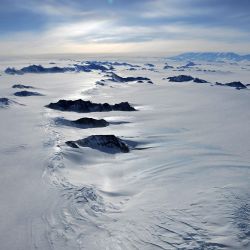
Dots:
(88, 106)
(13, 71)
(111, 64)
(27, 93)
(90, 122)
(83, 123)
(132, 69)
(185, 78)
(101, 82)
(167, 66)
(219, 84)
(39, 69)
(198, 80)
(188, 65)
(180, 78)
(81, 68)
(116, 78)
(104, 143)
(4, 102)
(20, 86)
(95, 65)
(237, 85)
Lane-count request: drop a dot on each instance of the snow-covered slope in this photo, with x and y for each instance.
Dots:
(185, 184)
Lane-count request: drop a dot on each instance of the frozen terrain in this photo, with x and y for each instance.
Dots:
(184, 184)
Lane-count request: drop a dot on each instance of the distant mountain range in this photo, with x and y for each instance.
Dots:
(210, 56)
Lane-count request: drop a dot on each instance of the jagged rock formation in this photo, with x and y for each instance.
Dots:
(88, 106)
(105, 143)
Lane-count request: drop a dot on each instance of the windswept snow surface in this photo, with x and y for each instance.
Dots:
(185, 187)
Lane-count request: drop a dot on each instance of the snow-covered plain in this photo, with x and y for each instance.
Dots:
(187, 188)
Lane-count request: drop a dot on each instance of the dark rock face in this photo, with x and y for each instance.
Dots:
(105, 143)
(41, 69)
(132, 69)
(13, 71)
(20, 86)
(87, 106)
(111, 64)
(83, 123)
(237, 85)
(219, 84)
(168, 67)
(101, 82)
(81, 68)
(71, 144)
(97, 66)
(90, 122)
(198, 80)
(27, 93)
(184, 78)
(117, 78)
(190, 64)
(180, 78)
(4, 102)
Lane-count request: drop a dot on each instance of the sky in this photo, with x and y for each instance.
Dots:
(123, 26)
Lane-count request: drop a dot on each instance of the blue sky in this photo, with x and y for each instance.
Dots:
(105, 26)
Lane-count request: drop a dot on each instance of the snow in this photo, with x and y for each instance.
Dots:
(187, 188)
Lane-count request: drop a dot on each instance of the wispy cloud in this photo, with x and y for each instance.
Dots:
(155, 25)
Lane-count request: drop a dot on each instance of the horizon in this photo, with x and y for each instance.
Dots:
(118, 27)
